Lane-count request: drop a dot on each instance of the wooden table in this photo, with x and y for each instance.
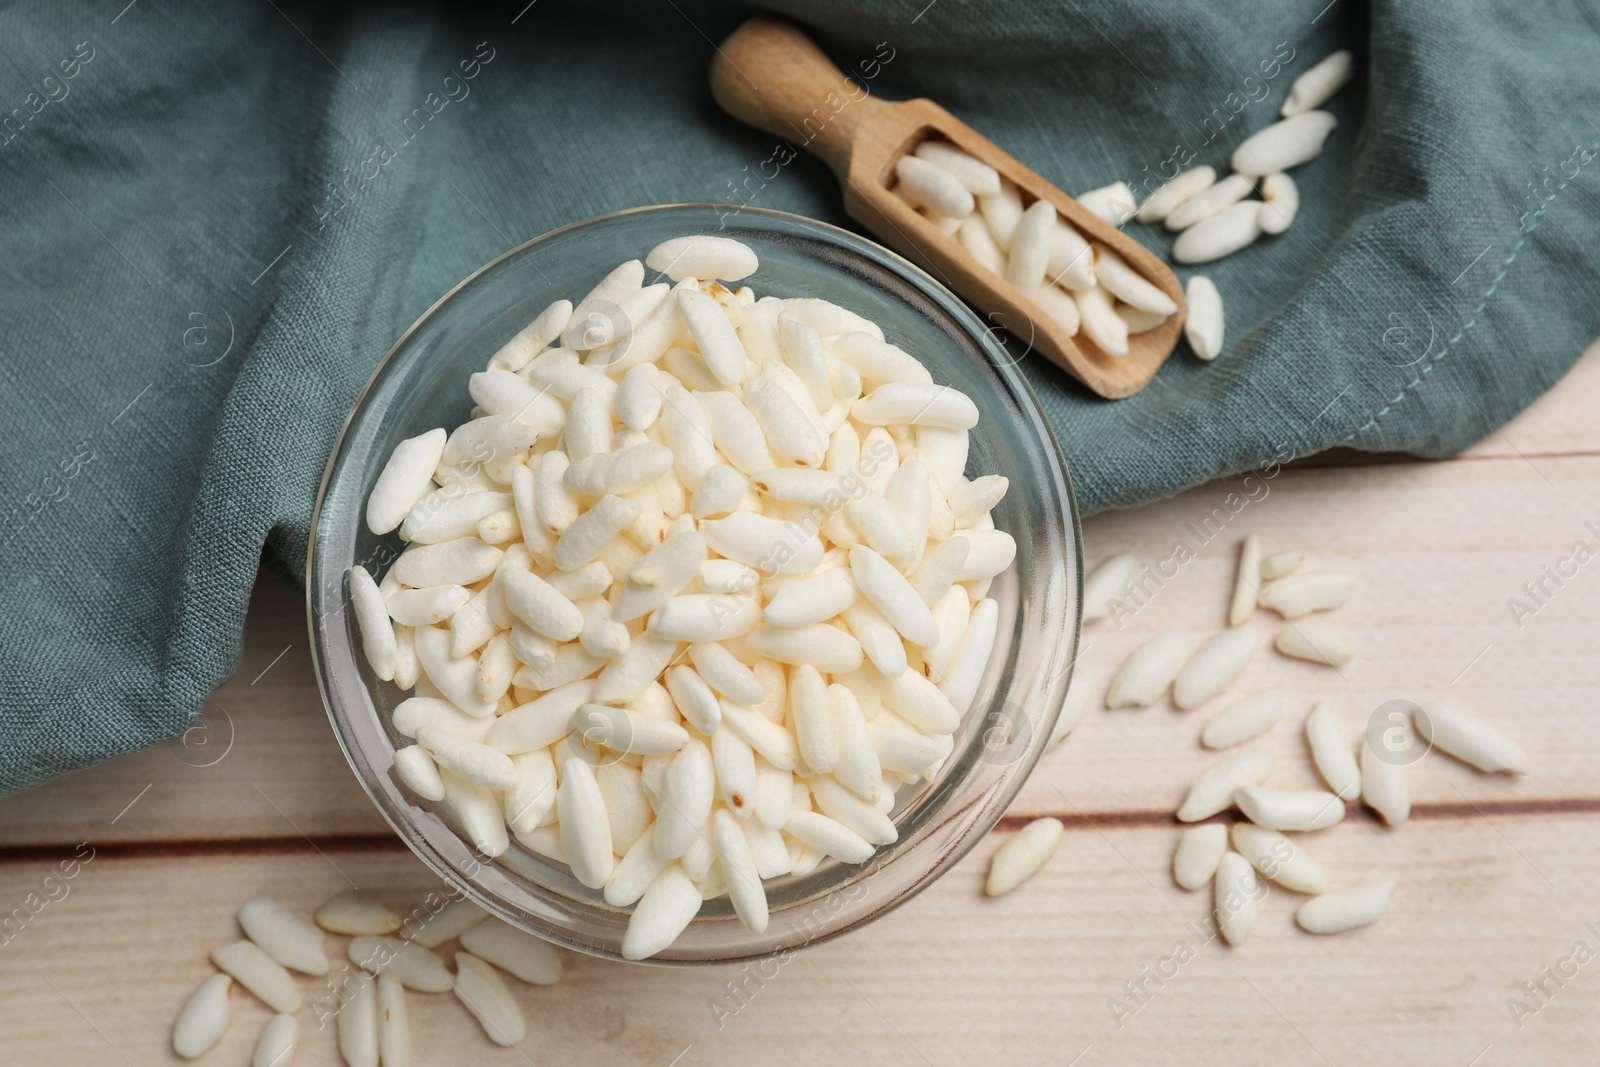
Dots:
(1495, 874)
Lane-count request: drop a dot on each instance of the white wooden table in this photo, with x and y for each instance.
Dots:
(1496, 875)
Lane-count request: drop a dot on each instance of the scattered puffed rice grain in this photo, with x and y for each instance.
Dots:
(204, 1018)
(1213, 791)
(1385, 786)
(1289, 809)
(1469, 739)
(1316, 642)
(1210, 201)
(1247, 583)
(1149, 671)
(1174, 193)
(1199, 851)
(1280, 202)
(1114, 203)
(394, 1028)
(1235, 898)
(1213, 667)
(1020, 857)
(1244, 720)
(1279, 859)
(483, 992)
(1220, 235)
(1104, 585)
(446, 923)
(259, 973)
(275, 1047)
(665, 910)
(1279, 564)
(358, 1023)
(1318, 84)
(355, 915)
(1203, 326)
(286, 937)
(403, 480)
(514, 951)
(1285, 144)
(414, 966)
(1331, 753)
(1302, 594)
(1344, 909)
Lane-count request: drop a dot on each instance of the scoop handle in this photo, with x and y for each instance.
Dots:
(772, 76)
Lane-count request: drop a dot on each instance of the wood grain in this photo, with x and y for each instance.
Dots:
(1495, 874)
(952, 979)
(261, 761)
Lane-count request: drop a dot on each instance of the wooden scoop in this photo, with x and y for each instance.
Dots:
(772, 76)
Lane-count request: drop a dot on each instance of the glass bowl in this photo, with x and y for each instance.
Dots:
(421, 384)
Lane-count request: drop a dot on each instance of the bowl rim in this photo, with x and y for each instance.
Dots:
(998, 795)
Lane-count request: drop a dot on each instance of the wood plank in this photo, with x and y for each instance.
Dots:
(1438, 550)
(1438, 547)
(1494, 873)
(260, 762)
(952, 978)
(1559, 423)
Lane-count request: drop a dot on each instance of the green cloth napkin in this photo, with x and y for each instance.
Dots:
(216, 219)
